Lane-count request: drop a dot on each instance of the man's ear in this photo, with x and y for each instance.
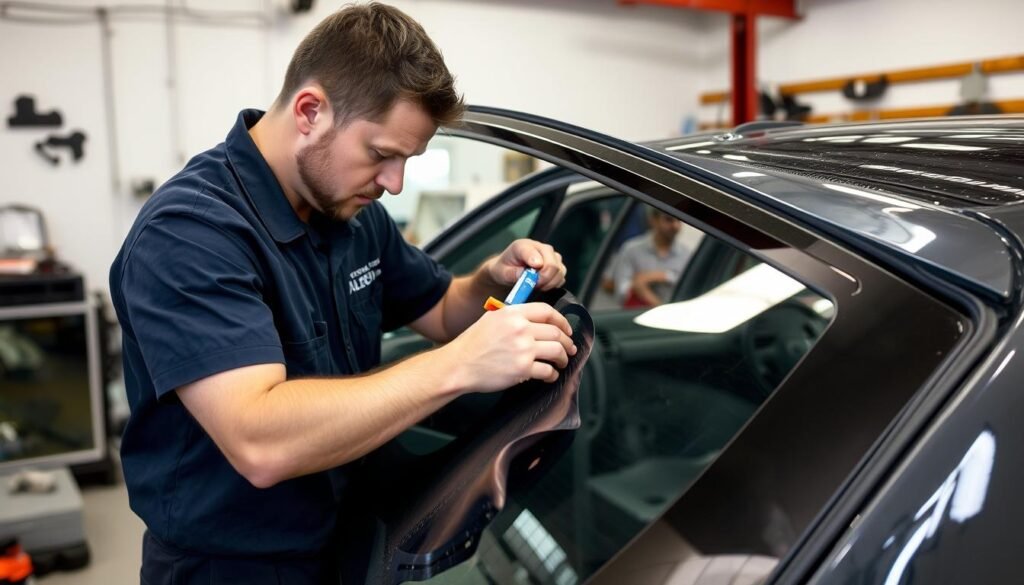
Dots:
(310, 109)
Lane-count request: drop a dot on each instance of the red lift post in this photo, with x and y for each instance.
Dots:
(744, 15)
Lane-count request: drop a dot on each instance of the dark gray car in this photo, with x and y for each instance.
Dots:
(828, 393)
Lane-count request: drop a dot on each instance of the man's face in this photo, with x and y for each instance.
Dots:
(348, 168)
(665, 226)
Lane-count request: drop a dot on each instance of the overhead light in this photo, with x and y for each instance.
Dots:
(689, 146)
(844, 138)
(746, 174)
(891, 201)
(735, 157)
(889, 139)
(951, 133)
(1013, 137)
(728, 305)
(934, 147)
(841, 139)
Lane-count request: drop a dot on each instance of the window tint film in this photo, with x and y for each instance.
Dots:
(669, 383)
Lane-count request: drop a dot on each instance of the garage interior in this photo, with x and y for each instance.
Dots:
(103, 102)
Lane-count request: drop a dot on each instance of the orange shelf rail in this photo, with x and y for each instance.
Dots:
(1015, 106)
(988, 66)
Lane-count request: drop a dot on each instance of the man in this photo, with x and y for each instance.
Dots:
(650, 264)
(252, 292)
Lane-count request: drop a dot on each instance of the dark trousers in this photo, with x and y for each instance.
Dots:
(163, 564)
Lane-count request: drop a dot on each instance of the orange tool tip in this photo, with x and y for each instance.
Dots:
(493, 304)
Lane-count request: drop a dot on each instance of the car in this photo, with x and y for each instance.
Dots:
(829, 394)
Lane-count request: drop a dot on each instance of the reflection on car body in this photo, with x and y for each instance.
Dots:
(798, 411)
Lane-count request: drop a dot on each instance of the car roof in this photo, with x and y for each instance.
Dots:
(954, 162)
(924, 188)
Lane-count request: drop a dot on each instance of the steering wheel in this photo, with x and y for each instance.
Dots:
(593, 393)
(774, 341)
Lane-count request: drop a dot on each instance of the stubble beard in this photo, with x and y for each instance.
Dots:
(314, 164)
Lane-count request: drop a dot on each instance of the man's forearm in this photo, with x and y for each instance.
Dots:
(642, 286)
(302, 426)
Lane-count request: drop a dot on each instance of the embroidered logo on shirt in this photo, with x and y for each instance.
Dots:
(362, 277)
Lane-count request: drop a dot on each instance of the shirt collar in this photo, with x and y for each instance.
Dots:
(258, 180)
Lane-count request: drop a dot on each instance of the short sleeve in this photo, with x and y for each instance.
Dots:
(624, 271)
(413, 281)
(192, 294)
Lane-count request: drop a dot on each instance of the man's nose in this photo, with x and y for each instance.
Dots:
(392, 176)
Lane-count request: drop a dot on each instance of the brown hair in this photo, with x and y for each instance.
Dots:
(368, 56)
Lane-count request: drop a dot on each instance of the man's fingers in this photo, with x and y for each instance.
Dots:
(542, 257)
(543, 313)
(553, 352)
(548, 332)
(553, 273)
(527, 252)
(542, 371)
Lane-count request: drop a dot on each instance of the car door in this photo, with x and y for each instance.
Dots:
(757, 485)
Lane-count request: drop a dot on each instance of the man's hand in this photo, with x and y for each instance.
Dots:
(462, 304)
(643, 282)
(512, 345)
(649, 277)
(520, 254)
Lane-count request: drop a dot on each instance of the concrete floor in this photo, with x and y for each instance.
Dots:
(114, 534)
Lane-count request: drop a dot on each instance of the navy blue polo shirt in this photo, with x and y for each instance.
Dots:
(217, 273)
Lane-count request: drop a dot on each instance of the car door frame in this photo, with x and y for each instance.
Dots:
(721, 208)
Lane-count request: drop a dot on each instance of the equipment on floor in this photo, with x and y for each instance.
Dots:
(48, 525)
(15, 564)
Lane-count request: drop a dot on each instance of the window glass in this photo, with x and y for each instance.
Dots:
(580, 231)
(667, 387)
(453, 176)
(495, 237)
(647, 256)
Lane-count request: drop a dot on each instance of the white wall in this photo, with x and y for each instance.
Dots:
(88, 207)
(80, 212)
(628, 71)
(848, 37)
